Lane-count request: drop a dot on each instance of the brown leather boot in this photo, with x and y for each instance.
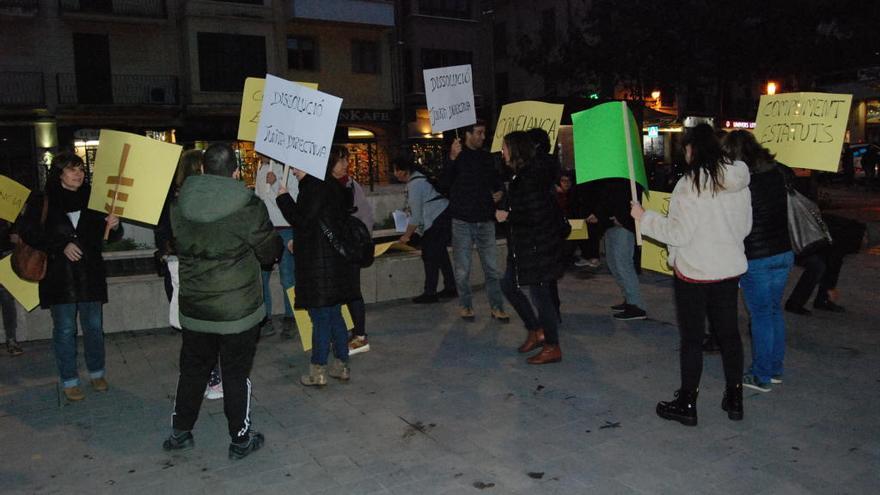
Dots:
(549, 354)
(534, 340)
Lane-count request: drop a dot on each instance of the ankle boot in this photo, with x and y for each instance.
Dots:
(534, 340)
(549, 354)
(317, 376)
(733, 402)
(683, 409)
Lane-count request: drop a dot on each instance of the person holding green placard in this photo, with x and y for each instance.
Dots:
(710, 215)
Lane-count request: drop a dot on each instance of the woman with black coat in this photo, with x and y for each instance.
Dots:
(324, 279)
(75, 281)
(534, 248)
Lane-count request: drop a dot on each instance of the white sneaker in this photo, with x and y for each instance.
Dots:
(214, 392)
(580, 263)
(358, 345)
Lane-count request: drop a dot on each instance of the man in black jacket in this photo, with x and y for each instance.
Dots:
(474, 186)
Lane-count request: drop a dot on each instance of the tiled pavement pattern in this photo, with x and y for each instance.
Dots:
(444, 406)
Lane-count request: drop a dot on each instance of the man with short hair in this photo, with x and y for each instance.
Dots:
(223, 236)
(474, 186)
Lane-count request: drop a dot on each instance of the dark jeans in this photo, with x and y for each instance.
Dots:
(718, 302)
(435, 255)
(542, 297)
(822, 268)
(198, 356)
(328, 326)
(358, 311)
(91, 321)
(10, 318)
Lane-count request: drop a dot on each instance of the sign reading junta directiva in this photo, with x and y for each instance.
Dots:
(804, 130)
(449, 93)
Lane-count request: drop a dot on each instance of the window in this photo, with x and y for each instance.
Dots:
(500, 40)
(365, 58)
(459, 9)
(432, 59)
(302, 53)
(548, 27)
(226, 60)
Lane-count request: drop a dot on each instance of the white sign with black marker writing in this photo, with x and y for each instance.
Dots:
(297, 125)
(449, 92)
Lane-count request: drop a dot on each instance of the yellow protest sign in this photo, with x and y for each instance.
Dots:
(132, 175)
(654, 254)
(525, 115)
(12, 198)
(26, 293)
(804, 130)
(380, 249)
(251, 103)
(579, 230)
(304, 323)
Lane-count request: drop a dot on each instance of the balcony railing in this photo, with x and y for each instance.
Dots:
(22, 89)
(130, 8)
(19, 7)
(125, 90)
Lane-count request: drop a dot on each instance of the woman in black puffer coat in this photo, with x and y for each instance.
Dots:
(534, 248)
(768, 250)
(324, 279)
(75, 281)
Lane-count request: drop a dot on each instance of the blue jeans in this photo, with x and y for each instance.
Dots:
(619, 249)
(285, 271)
(763, 286)
(464, 236)
(327, 326)
(91, 319)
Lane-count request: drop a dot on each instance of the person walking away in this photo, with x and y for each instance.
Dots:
(360, 208)
(266, 185)
(535, 257)
(710, 214)
(770, 257)
(75, 283)
(474, 187)
(430, 219)
(223, 235)
(7, 303)
(325, 279)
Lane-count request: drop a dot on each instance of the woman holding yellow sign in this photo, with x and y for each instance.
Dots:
(710, 214)
(73, 237)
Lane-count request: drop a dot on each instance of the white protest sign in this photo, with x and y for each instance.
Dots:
(297, 125)
(449, 92)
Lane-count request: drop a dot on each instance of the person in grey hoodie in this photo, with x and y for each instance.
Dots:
(710, 215)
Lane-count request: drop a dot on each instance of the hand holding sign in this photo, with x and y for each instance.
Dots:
(654, 254)
(449, 92)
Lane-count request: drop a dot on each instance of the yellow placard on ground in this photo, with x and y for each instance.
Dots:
(12, 198)
(138, 170)
(579, 230)
(304, 323)
(384, 247)
(525, 115)
(26, 293)
(251, 104)
(654, 254)
(804, 130)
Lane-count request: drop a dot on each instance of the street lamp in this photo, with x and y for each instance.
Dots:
(771, 88)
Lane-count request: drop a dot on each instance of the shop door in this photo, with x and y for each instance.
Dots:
(91, 57)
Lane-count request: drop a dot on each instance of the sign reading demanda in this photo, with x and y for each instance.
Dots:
(297, 125)
(449, 92)
(525, 115)
(804, 130)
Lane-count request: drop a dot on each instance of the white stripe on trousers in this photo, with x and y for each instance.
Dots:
(247, 412)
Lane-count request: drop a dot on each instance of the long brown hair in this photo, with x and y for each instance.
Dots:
(190, 163)
(520, 148)
(706, 158)
(742, 145)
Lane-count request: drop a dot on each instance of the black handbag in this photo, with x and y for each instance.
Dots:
(352, 240)
(806, 229)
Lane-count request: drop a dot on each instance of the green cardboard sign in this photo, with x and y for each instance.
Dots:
(600, 144)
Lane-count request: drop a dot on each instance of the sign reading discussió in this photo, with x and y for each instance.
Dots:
(804, 130)
(297, 125)
(525, 115)
(449, 92)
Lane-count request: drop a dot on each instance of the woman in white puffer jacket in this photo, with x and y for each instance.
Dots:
(710, 214)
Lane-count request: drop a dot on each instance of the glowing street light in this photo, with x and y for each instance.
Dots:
(771, 88)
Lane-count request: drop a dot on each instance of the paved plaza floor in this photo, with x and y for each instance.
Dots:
(445, 406)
